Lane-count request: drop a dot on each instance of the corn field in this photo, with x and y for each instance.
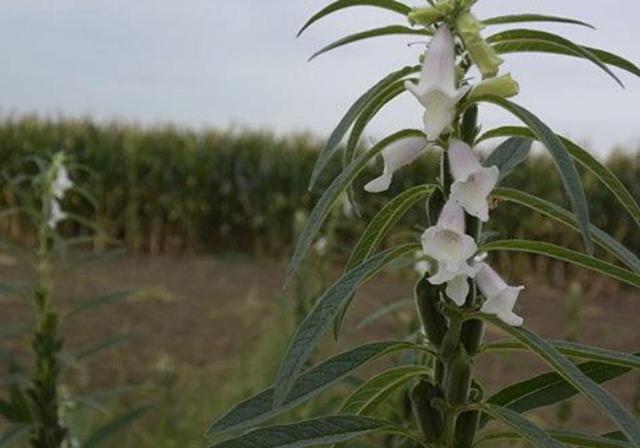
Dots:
(171, 190)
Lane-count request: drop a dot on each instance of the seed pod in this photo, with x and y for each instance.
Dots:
(433, 322)
(469, 129)
(427, 418)
(458, 379)
(466, 427)
(471, 335)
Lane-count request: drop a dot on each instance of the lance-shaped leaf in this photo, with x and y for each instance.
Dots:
(331, 194)
(537, 46)
(575, 350)
(597, 168)
(322, 314)
(608, 404)
(391, 30)
(314, 432)
(259, 408)
(545, 36)
(521, 18)
(559, 214)
(113, 426)
(508, 155)
(349, 117)
(104, 299)
(564, 163)
(338, 5)
(369, 395)
(526, 429)
(567, 437)
(385, 311)
(568, 255)
(378, 228)
(13, 434)
(550, 388)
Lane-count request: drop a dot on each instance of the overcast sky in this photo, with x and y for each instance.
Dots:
(237, 62)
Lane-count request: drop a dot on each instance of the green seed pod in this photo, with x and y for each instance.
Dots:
(470, 129)
(434, 323)
(471, 335)
(427, 418)
(458, 378)
(466, 428)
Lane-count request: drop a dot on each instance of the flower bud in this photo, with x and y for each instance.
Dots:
(482, 54)
(503, 86)
(433, 14)
(466, 428)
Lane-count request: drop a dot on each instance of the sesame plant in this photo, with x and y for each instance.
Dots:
(459, 292)
(38, 403)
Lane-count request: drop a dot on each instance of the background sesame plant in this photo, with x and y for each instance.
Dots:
(38, 400)
(459, 293)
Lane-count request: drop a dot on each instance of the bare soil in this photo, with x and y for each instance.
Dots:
(208, 312)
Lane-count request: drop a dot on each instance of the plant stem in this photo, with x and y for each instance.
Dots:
(48, 430)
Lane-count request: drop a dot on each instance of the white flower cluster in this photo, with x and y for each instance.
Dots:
(59, 187)
(453, 252)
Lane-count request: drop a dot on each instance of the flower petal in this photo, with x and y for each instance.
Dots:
(395, 156)
(439, 66)
(458, 289)
(452, 217)
(462, 161)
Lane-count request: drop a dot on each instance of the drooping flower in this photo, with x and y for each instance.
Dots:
(436, 89)
(56, 214)
(472, 182)
(451, 248)
(398, 154)
(500, 297)
(62, 183)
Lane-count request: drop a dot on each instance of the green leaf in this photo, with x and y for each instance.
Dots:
(378, 228)
(568, 255)
(322, 314)
(563, 161)
(259, 408)
(522, 426)
(550, 388)
(575, 350)
(573, 375)
(508, 155)
(598, 169)
(100, 346)
(568, 437)
(349, 117)
(520, 18)
(13, 434)
(544, 36)
(331, 194)
(390, 5)
(385, 311)
(536, 46)
(369, 395)
(391, 30)
(117, 424)
(565, 217)
(105, 299)
(318, 431)
(375, 105)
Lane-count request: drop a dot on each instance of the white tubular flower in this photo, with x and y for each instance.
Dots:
(436, 89)
(501, 298)
(55, 214)
(458, 289)
(472, 182)
(447, 243)
(61, 184)
(398, 154)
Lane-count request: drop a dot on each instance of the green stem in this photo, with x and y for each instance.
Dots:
(47, 430)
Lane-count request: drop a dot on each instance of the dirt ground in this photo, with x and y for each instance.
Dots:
(208, 312)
